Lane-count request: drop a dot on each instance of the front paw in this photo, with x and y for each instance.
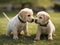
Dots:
(15, 38)
(50, 39)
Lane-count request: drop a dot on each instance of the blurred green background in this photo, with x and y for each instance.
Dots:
(36, 5)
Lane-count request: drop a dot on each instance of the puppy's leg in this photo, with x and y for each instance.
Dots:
(26, 30)
(38, 34)
(8, 32)
(50, 35)
(19, 32)
(15, 34)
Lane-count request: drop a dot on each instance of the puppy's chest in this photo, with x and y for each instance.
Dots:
(44, 29)
(21, 26)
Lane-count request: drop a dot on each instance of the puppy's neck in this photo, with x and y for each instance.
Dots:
(20, 19)
(44, 25)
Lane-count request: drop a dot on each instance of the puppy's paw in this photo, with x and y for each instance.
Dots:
(50, 39)
(37, 39)
(15, 38)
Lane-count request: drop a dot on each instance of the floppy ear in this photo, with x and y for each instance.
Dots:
(47, 17)
(22, 14)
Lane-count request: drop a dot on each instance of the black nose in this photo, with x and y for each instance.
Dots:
(35, 20)
(32, 20)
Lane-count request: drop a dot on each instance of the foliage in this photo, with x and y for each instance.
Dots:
(44, 3)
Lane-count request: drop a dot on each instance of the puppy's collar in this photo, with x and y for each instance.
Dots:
(44, 25)
(21, 20)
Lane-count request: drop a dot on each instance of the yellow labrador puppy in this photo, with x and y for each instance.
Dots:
(19, 22)
(45, 26)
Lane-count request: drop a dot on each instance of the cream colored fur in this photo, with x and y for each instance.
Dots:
(43, 17)
(16, 26)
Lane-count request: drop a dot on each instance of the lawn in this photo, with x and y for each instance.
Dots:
(55, 17)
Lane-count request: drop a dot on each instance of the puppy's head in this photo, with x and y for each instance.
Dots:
(42, 17)
(26, 15)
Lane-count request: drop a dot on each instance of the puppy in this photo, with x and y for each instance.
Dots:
(19, 22)
(45, 26)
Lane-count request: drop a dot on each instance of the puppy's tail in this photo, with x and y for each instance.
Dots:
(6, 16)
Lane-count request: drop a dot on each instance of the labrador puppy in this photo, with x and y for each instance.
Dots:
(44, 25)
(19, 22)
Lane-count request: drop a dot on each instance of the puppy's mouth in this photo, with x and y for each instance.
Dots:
(31, 21)
(41, 24)
(36, 21)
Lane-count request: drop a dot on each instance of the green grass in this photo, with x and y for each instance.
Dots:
(55, 17)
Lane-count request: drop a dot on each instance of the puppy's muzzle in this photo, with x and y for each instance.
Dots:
(32, 20)
(35, 20)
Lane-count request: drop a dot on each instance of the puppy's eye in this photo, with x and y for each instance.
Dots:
(40, 17)
(28, 15)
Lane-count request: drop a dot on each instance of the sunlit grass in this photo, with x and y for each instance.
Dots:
(55, 17)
